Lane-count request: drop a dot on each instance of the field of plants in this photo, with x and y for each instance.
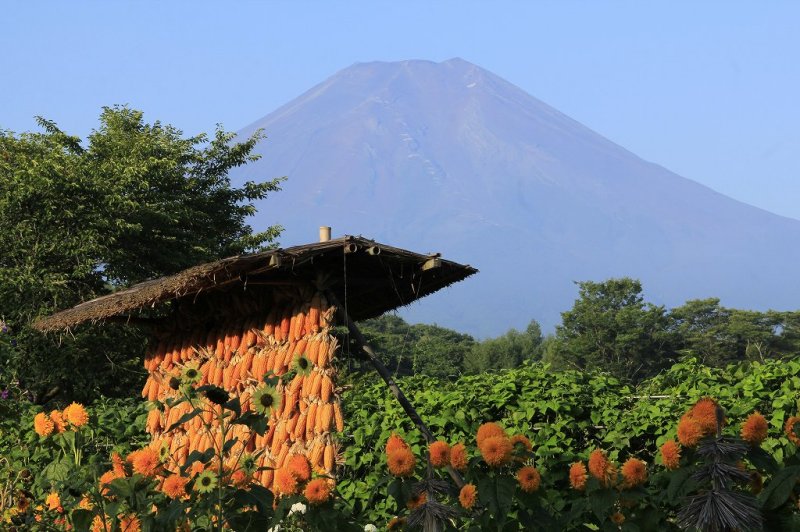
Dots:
(537, 449)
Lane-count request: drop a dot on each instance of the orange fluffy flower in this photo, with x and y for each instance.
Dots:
(458, 457)
(601, 468)
(100, 525)
(43, 425)
(129, 523)
(529, 479)
(704, 412)
(318, 491)
(671, 454)
(401, 462)
(488, 430)
(496, 450)
(395, 443)
(754, 429)
(145, 461)
(285, 482)
(468, 496)
(618, 518)
(118, 464)
(299, 467)
(577, 476)
(440, 453)
(174, 486)
(58, 421)
(53, 501)
(689, 431)
(788, 428)
(105, 480)
(521, 440)
(76, 415)
(634, 473)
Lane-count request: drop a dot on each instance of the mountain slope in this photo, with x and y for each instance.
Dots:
(449, 157)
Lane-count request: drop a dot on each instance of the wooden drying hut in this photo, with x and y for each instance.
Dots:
(238, 318)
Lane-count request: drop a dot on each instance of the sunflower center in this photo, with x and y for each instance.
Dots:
(191, 373)
(205, 481)
(302, 363)
(267, 400)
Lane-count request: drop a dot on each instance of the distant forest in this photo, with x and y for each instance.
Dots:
(610, 327)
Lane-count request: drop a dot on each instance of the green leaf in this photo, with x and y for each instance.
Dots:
(680, 484)
(81, 519)
(780, 487)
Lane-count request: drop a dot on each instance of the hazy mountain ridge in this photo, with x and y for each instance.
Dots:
(449, 157)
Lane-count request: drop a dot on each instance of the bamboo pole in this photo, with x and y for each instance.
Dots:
(387, 378)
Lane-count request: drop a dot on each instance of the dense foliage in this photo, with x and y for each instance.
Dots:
(566, 415)
(80, 219)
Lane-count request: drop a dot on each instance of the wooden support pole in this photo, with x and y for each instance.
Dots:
(387, 377)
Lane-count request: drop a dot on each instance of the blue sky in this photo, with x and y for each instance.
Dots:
(706, 89)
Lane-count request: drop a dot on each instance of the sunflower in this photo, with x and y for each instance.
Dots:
(285, 481)
(302, 365)
(145, 461)
(458, 457)
(58, 421)
(791, 431)
(266, 399)
(53, 501)
(100, 525)
(689, 431)
(85, 503)
(671, 454)
(522, 444)
(704, 412)
(174, 486)
(129, 523)
(488, 430)
(468, 495)
(496, 450)
(76, 415)
(191, 372)
(601, 468)
(394, 443)
(577, 476)
(529, 479)
(248, 463)
(205, 481)
(318, 491)
(634, 473)
(401, 462)
(299, 467)
(105, 480)
(439, 453)
(754, 429)
(43, 425)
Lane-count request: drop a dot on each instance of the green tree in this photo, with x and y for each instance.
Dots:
(507, 351)
(610, 327)
(81, 219)
(417, 349)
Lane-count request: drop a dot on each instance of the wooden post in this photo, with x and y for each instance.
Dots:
(387, 377)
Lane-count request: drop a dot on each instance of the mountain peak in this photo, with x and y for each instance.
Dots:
(449, 157)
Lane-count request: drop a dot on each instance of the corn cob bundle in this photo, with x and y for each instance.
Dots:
(236, 357)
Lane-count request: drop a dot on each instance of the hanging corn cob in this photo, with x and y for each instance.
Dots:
(292, 337)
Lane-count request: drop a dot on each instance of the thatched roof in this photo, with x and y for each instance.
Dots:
(369, 277)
